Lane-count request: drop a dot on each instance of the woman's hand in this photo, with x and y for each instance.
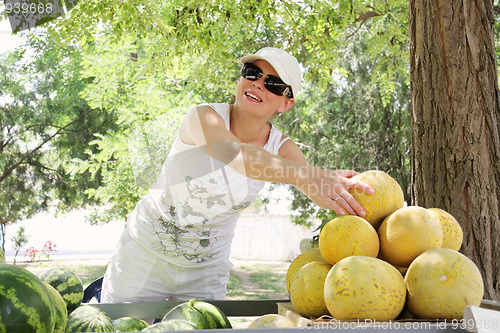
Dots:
(329, 189)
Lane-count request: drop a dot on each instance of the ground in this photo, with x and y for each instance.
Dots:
(248, 280)
(258, 280)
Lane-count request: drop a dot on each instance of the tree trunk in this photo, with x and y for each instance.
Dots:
(455, 123)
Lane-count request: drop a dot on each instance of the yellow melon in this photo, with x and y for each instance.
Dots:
(388, 196)
(308, 256)
(307, 289)
(360, 287)
(346, 236)
(271, 320)
(401, 270)
(441, 283)
(453, 234)
(407, 233)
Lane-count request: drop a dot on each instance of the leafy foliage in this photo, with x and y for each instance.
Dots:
(352, 125)
(148, 106)
(132, 70)
(180, 53)
(19, 239)
(44, 123)
(204, 39)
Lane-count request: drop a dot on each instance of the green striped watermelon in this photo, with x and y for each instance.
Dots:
(67, 283)
(25, 303)
(88, 318)
(201, 314)
(60, 311)
(170, 325)
(129, 324)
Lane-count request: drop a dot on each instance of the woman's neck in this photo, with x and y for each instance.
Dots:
(247, 128)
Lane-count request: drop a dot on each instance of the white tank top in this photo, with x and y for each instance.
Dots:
(189, 215)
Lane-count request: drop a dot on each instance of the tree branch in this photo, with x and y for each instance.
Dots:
(28, 154)
(367, 15)
(496, 10)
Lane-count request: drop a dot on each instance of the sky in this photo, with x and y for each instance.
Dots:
(8, 41)
(71, 233)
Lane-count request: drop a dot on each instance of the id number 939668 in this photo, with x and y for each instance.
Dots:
(28, 8)
(468, 324)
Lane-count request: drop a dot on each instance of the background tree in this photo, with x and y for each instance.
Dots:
(2, 253)
(352, 125)
(201, 39)
(19, 239)
(148, 106)
(152, 61)
(455, 123)
(44, 125)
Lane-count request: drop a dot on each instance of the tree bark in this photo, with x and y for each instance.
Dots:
(455, 123)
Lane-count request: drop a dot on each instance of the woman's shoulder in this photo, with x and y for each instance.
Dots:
(221, 108)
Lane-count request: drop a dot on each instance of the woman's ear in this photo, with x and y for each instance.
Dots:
(287, 104)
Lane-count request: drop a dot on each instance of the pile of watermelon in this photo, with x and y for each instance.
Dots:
(52, 303)
(29, 304)
(191, 315)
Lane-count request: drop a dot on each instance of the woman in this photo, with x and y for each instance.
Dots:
(178, 238)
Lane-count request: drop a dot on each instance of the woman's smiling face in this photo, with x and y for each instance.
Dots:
(254, 96)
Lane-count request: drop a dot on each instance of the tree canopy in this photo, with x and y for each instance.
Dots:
(44, 124)
(196, 42)
(129, 71)
(180, 53)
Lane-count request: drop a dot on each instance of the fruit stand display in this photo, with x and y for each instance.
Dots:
(263, 308)
(398, 269)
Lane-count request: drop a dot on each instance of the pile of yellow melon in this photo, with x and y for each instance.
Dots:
(370, 268)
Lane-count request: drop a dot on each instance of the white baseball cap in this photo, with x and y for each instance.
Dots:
(285, 64)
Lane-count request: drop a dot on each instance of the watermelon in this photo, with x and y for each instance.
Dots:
(201, 314)
(25, 302)
(60, 311)
(67, 283)
(129, 324)
(87, 318)
(170, 325)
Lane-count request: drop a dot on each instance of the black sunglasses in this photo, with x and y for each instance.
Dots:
(272, 83)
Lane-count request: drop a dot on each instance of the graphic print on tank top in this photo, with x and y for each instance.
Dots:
(193, 212)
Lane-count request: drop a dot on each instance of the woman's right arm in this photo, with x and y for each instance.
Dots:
(205, 128)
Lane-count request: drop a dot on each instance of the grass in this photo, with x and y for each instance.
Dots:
(235, 287)
(246, 281)
(87, 272)
(269, 280)
(258, 281)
